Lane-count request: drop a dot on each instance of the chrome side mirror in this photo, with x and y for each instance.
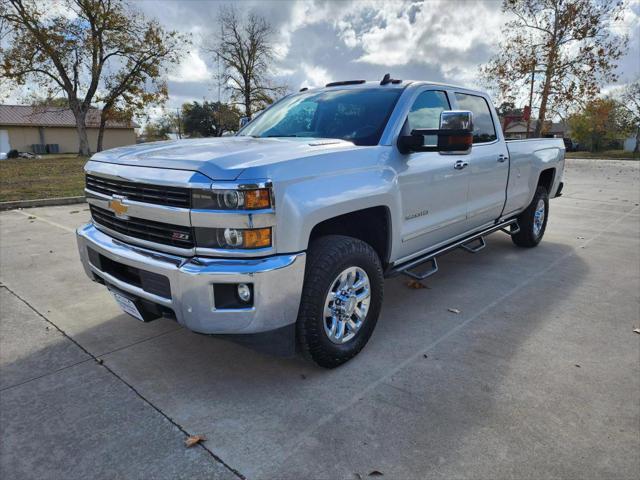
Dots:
(456, 132)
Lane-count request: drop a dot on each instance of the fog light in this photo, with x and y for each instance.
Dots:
(233, 237)
(244, 292)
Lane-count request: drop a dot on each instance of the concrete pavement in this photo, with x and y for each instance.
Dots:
(537, 377)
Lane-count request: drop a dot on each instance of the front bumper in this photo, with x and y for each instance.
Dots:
(277, 284)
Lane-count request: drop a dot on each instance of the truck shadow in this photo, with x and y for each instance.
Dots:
(432, 369)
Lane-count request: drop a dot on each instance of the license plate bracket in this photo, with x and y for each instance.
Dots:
(133, 306)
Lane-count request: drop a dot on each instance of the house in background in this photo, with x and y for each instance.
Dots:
(518, 130)
(32, 128)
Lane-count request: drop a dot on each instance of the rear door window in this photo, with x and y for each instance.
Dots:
(483, 128)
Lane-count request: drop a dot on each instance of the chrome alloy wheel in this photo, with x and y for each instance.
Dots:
(346, 305)
(538, 218)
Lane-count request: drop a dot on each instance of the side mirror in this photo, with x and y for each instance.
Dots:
(243, 121)
(455, 135)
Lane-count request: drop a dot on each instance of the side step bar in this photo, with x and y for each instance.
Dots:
(509, 227)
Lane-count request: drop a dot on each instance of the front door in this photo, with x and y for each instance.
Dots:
(433, 190)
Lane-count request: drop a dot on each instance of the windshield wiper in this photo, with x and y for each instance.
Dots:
(275, 136)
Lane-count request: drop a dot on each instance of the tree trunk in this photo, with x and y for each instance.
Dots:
(247, 98)
(103, 122)
(542, 114)
(637, 147)
(81, 127)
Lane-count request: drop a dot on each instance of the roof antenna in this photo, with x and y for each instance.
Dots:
(386, 79)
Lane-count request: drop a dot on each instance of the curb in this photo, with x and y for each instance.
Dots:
(41, 202)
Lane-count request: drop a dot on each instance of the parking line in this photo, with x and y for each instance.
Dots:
(293, 446)
(44, 220)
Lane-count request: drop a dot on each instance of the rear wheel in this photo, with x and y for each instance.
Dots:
(341, 299)
(533, 221)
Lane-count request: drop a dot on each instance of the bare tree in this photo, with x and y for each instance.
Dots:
(245, 50)
(565, 49)
(97, 50)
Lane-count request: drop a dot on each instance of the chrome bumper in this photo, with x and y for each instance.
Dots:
(277, 284)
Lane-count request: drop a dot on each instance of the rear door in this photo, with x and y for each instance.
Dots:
(433, 192)
(488, 163)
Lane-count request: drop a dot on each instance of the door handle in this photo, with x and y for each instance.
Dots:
(503, 158)
(460, 164)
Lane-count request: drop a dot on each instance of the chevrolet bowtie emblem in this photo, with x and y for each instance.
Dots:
(116, 205)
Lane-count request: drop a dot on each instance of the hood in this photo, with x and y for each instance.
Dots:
(221, 158)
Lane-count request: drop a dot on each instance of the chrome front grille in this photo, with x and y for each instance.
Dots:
(164, 233)
(140, 192)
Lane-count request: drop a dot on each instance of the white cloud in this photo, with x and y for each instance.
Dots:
(314, 76)
(191, 69)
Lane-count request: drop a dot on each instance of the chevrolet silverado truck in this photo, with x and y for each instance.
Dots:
(281, 236)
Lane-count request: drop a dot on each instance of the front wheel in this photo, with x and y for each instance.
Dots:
(533, 221)
(341, 299)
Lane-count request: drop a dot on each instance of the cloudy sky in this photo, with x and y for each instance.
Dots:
(318, 41)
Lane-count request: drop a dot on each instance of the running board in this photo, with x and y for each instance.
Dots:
(465, 243)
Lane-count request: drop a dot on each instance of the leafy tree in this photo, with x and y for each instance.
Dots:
(155, 131)
(568, 46)
(629, 98)
(245, 49)
(95, 51)
(600, 125)
(209, 119)
(58, 102)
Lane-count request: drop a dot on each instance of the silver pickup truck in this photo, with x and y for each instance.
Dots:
(281, 236)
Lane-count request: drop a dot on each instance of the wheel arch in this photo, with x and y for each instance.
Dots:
(372, 225)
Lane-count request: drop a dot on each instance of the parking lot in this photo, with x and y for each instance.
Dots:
(537, 376)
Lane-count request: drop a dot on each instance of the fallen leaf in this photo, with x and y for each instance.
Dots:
(425, 355)
(194, 440)
(636, 330)
(416, 285)
(31, 217)
(100, 361)
(375, 473)
(577, 365)
(454, 310)
(74, 211)
(580, 238)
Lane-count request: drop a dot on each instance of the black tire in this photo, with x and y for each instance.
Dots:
(529, 236)
(327, 257)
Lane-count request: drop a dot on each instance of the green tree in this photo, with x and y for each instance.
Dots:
(629, 98)
(155, 131)
(600, 125)
(568, 47)
(96, 51)
(209, 119)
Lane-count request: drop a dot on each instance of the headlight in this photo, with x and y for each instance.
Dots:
(255, 199)
(232, 238)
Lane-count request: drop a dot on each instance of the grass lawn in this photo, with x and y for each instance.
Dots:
(607, 155)
(47, 177)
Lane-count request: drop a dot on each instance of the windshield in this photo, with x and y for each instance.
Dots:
(356, 115)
